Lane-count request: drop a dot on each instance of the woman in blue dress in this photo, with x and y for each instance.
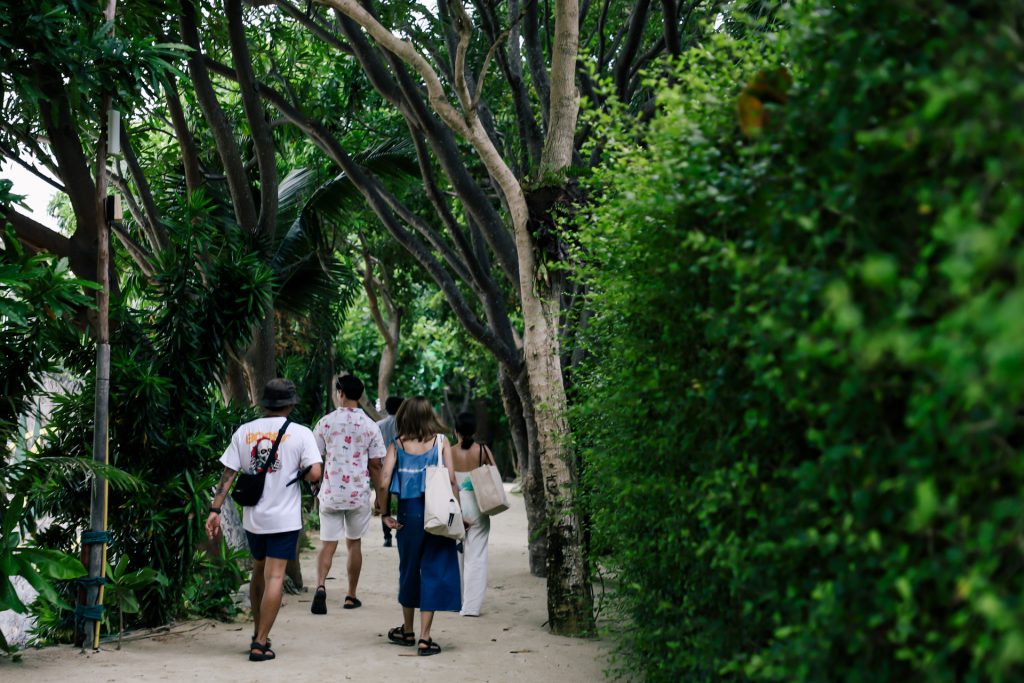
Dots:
(428, 565)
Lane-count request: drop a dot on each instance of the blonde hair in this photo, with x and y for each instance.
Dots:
(417, 420)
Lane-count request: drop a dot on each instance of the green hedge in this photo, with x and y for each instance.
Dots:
(801, 422)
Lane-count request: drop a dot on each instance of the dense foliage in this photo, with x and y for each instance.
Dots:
(801, 419)
(168, 425)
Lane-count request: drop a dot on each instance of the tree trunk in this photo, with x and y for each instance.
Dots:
(516, 399)
(570, 597)
(385, 371)
(262, 353)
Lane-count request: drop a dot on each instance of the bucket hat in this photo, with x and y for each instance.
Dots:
(279, 393)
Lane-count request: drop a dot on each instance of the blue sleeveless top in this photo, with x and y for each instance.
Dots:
(410, 480)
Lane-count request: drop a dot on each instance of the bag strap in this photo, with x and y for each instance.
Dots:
(481, 456)
(440, 450)
(277, 442)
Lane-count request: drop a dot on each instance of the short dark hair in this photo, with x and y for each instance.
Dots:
(393, 404)
(350, 386)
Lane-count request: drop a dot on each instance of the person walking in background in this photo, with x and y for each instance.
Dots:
(387, 430)
(428, 565)
(467, 455)
(272, 525)
(352, 447)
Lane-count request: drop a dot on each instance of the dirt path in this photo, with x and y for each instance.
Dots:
(506, 643)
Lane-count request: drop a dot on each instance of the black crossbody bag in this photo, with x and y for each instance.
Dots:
(249, 487)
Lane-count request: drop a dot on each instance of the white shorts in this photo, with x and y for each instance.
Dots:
(352, 524)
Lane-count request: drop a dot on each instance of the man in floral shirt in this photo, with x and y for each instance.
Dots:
(353, 448)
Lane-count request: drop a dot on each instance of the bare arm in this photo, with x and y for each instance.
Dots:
(221, 494)
(375, 465)
(386, 470)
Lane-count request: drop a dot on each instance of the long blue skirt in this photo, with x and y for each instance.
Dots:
(428, 565)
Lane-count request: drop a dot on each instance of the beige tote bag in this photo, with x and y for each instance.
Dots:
(490, 492)
(442, 515)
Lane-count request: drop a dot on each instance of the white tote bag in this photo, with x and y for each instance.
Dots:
(442, 515)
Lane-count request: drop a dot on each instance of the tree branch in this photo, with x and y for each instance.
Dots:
(313, 26)
(535, 57)
(224, 139)
(371, 285)
(637, 23)
(670, 21)
(464, 26)
(37, 236)
(151, 224)
(378, 199)
(136, 251)
(11, 155)
(189, 154)
(74, 172)
(262, 137)
(565, 98)
(408, 54)
(407, 98)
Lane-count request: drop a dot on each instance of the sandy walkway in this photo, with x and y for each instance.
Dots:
(506, 643)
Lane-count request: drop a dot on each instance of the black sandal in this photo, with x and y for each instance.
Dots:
(399, 636)
(351, 602)
(431, 648)
(264, 654)
(319, 605)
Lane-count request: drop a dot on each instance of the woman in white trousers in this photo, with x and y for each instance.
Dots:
(467, 456)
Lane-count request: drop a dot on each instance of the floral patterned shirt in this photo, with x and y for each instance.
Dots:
(347, 438)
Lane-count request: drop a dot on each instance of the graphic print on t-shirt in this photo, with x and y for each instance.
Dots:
(261, 451)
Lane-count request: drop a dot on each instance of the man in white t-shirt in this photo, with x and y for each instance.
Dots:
(353, 449)
(273, 524)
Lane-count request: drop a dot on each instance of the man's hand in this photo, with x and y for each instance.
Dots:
(213, 525)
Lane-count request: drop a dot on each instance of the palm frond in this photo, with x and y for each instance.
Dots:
(37, 469)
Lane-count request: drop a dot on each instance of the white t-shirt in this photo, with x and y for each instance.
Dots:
(280, 507)
(348, 438)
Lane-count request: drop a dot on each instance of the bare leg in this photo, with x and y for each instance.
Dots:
(355, 563)
(426, 619)
(407, 615)
(256, 584)
(324, 560)
(273, 580)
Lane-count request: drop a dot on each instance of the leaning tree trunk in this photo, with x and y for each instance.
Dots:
(516, 399)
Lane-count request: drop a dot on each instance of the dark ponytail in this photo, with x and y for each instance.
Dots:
(465, 425)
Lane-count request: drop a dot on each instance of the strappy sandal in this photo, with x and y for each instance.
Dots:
(431, 648)
(399, 636)
(264, 654)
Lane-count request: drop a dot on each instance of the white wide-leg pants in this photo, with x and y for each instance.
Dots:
(473, 560)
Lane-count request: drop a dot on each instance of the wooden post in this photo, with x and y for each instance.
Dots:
(101, 418)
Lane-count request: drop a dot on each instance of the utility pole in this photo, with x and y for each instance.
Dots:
(107, 209)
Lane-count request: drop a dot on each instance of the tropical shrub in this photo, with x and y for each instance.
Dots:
(168, 423)
(801, 421)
